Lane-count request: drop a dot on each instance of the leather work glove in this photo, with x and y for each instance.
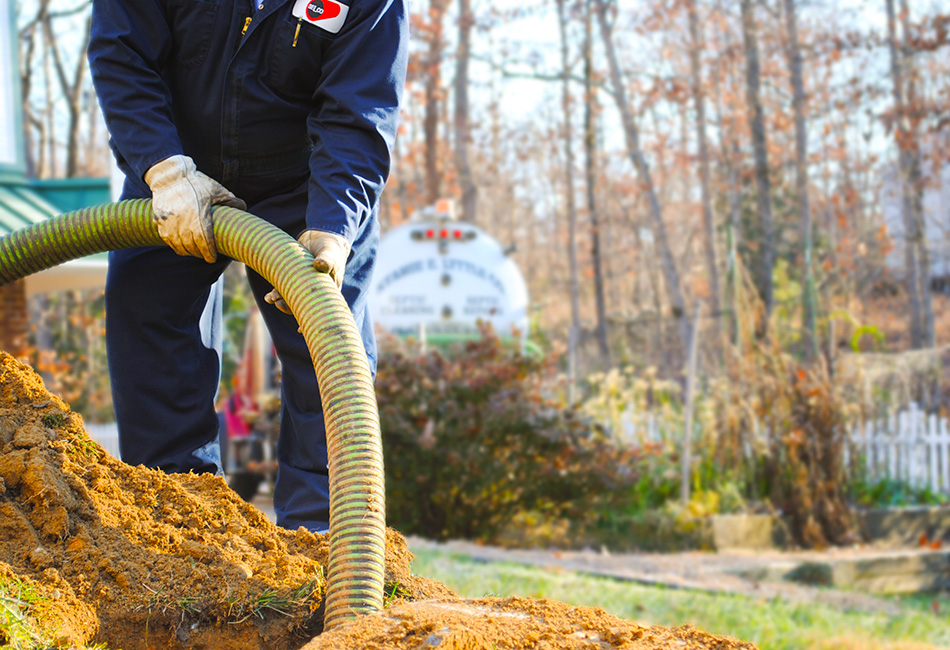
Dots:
(329, 256)
(181, 202)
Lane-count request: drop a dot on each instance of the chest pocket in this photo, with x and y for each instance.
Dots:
(293, 71)
(193, 26)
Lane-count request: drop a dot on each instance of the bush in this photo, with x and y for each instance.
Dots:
(794, 420)
(475, 437)
(889, 493)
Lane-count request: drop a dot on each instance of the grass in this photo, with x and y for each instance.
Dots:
(22, 626)
(54, 420)
(282, 602)
(83, 447)
(772, 625)
(18, 630)
(392, 591)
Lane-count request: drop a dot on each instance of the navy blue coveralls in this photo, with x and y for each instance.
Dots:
(297, 121)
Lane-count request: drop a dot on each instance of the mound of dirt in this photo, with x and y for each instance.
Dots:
(512, 624)
(135, 558)
(93, 551)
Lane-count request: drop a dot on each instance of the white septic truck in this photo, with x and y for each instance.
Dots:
(436, 278)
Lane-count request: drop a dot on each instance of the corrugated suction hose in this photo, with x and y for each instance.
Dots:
(357, 493)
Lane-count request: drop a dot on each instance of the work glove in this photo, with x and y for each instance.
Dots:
(329, 256)
(181, 202)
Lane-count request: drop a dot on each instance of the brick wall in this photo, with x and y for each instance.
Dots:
(13, 318)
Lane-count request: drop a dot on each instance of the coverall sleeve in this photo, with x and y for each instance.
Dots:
(129, 45)
(355, 116)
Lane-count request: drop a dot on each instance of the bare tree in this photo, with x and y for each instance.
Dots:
(35, 160)
(635, 153)
(590, 164)
(729, 156)
(49, 115)
(575, 331)
(916, 258)
(61, 82)
(917, 177)
(709, 218)
(73, 89)
(766, 257)
(433, 98)
(809, 299)
(462, 127)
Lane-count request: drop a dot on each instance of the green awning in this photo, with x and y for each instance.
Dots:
(20, 207)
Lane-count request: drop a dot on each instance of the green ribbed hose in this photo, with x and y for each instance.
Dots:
(354, 446)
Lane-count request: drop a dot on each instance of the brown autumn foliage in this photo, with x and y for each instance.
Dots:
(800, 465)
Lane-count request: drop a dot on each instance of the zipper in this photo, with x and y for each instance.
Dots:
(247, 23)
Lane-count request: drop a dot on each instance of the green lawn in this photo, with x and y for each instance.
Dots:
(772, 625)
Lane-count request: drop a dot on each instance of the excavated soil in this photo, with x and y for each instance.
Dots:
(512, 624)
(93, 551)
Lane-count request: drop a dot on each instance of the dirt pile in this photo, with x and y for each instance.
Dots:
(95, 551)
(512, 624)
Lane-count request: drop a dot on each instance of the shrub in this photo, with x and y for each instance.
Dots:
(888, 493)
(475, 437)
(791, 424)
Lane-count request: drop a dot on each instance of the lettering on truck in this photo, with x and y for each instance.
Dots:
(464, 266)
(483, 306)
(407, 305)
(398, 274)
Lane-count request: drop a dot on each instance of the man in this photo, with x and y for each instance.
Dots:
(287, 106)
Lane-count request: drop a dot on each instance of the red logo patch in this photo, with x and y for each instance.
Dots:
(322, 10)
(328, 15)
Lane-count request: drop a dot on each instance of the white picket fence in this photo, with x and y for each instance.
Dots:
(909, 445)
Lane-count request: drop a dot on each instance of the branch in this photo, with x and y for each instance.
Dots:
(57, 61)
(541, 76)
(538, 76)
(44, 13)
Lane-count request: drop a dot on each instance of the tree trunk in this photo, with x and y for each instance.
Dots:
(27, 36)
(729, 152)
(27, 44)
(433, 95)
(72, 91)
(50, 170)
(574, 336)
(910, 205)
(809, 299)
(635, 153)
(709, 219)
(916, 182)
(590, 162)
(766, 258)
(831, 224)
(462, 127)
(686, 466)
